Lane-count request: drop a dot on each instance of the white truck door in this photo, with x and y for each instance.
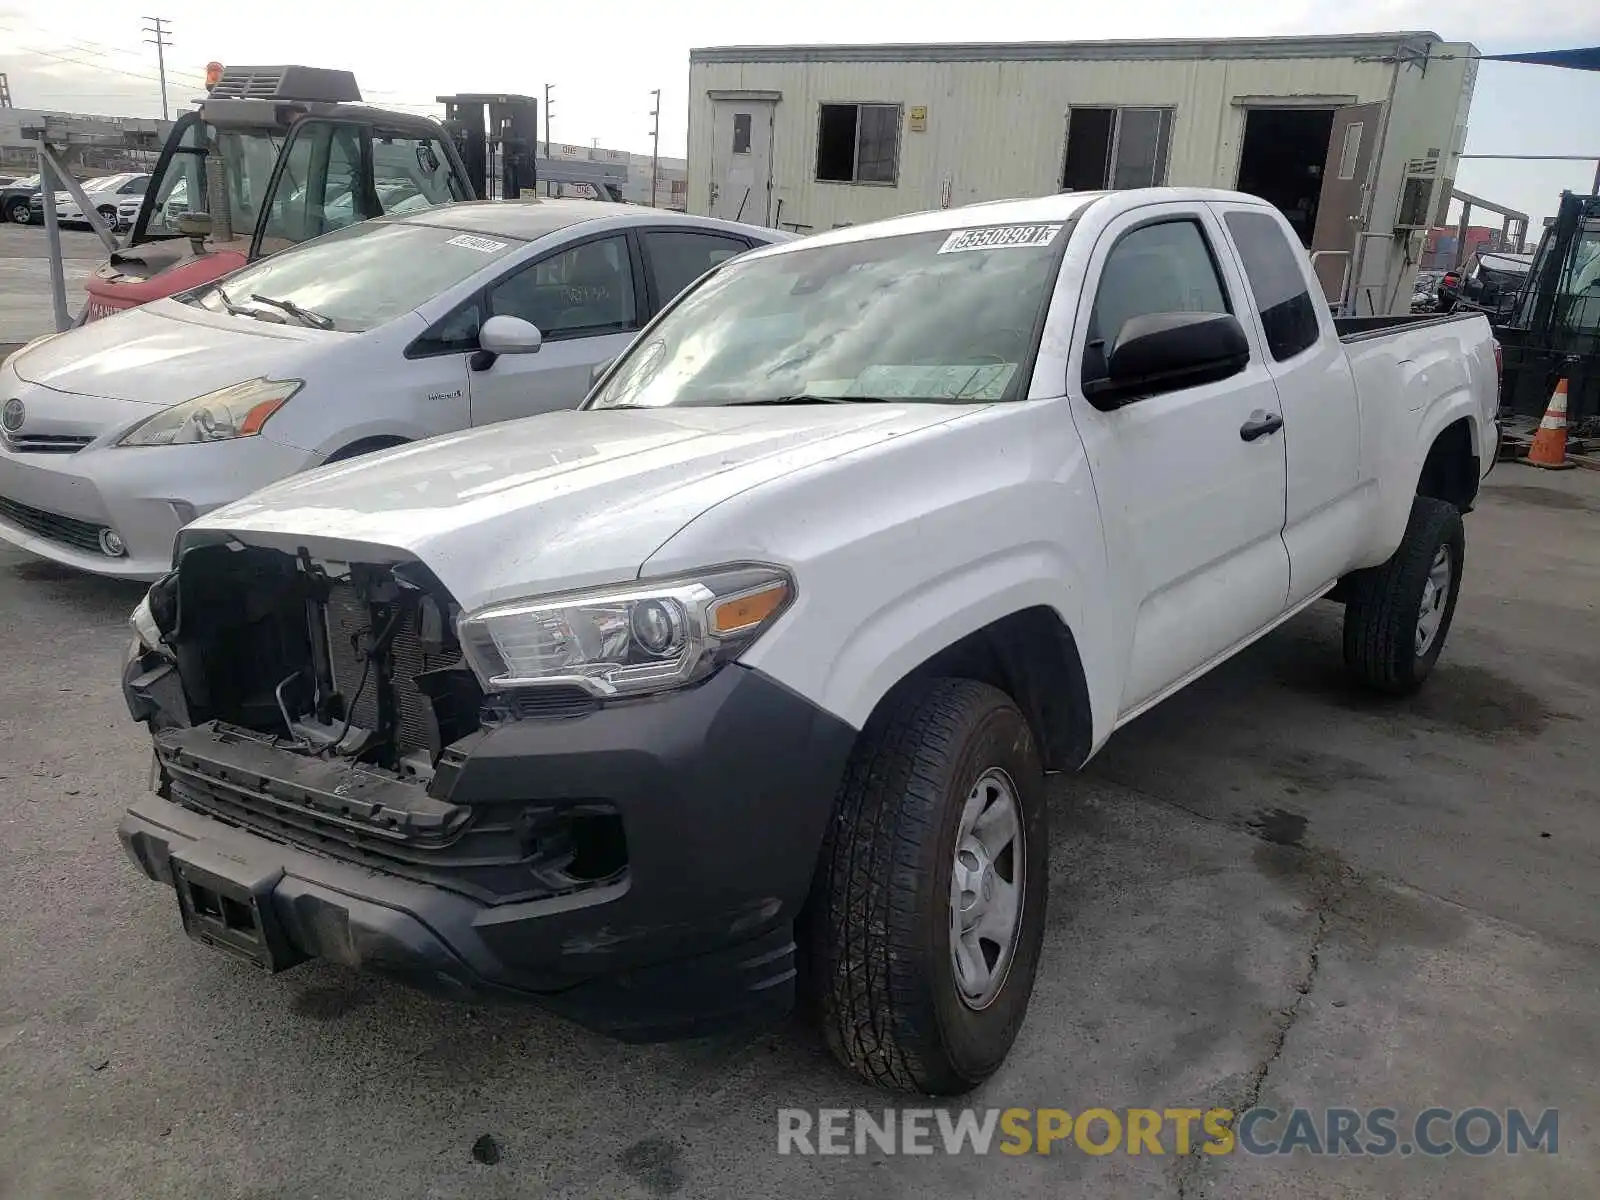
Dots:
(741, 159)
(586, 300)
(1192, 510)
(1326, 518)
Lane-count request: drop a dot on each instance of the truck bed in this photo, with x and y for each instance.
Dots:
(1357, 329)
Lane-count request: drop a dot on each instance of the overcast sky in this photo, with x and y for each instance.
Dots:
(603, 58)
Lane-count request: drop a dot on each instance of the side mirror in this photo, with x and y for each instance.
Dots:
(599, 369)
(1162, 352)
(510, 335)
(196, 226)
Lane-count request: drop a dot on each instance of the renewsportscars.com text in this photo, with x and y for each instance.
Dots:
(1432, 1132)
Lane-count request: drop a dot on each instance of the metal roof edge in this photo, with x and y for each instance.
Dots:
(1320, 46)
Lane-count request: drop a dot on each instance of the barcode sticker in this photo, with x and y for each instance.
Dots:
(481, 244)
(1000, 237)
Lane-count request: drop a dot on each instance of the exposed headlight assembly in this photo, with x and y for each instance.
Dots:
(238, 410)
(647, 637)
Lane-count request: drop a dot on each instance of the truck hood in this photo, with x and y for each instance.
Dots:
(559, 501)
(164, 353)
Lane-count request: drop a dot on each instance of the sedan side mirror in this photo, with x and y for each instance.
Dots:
(1163, 352)
(506, 334)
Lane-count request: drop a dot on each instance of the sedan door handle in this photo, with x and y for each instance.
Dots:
(1260, 424)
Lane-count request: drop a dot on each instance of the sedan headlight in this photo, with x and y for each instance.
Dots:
(239, 410)
(648, 637)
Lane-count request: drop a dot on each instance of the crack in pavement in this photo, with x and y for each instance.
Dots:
(1332, 880)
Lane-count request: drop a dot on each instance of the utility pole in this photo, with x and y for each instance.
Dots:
(655, 144)
(5, 91)
(547, 90)
(160, 27)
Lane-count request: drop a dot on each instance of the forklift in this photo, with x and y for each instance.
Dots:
(271, 157)
(1552, 331)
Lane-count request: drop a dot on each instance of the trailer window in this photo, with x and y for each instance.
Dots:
(858, 143)
(1116, 148)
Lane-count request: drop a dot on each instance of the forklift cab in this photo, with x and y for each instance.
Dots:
(273, 156)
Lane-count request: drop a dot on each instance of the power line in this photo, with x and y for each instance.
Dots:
(158, 26)
(94, 66)
(90, 46)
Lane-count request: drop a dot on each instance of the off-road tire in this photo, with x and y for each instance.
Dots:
(886, 994)
(1383, 604)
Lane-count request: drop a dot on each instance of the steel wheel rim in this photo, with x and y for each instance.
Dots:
(987, 886)
(1435, 595)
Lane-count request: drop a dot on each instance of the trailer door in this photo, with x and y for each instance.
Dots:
(1346, 184)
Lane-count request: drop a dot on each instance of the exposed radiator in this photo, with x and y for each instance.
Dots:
(348, 621)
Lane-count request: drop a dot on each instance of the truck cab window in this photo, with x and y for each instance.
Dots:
(1288, 314)
(1161, 268)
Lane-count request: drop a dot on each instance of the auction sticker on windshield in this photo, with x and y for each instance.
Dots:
(1000, 237)
(481, 244)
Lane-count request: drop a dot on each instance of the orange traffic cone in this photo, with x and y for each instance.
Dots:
(1549, 449)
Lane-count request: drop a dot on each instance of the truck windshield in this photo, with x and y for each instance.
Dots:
(356, 278)
(950, 316)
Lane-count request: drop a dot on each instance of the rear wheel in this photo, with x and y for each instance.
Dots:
(930, 897)
(1396, 616)
(17, 211)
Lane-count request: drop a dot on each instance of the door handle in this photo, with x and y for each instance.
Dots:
(1259, 425)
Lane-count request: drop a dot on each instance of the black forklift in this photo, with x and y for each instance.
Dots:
(1552, 329)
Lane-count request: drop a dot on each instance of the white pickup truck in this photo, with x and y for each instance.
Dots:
(758, 661)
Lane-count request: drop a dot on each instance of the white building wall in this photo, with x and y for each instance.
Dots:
(997, 128)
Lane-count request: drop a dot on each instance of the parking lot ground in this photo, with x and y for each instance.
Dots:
(25, 310)
(1269, 890)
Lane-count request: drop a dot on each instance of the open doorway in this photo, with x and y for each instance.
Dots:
(1282, 160)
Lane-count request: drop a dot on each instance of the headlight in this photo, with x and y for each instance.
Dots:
(239, 410)
(624, 641)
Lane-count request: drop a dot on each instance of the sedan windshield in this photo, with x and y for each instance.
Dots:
(356, 278)
(947, 316)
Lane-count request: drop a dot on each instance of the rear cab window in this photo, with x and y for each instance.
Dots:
(1288, 313)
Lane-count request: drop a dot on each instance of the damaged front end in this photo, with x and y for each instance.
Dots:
(327, 705)
(590, 803)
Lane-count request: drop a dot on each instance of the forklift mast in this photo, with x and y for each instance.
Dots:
(497, 135)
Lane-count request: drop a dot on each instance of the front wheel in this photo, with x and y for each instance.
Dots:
(1396, 616)
(109, 216)
(17, 212)
(930, 896)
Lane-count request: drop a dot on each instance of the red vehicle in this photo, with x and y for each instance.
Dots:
(272, 156)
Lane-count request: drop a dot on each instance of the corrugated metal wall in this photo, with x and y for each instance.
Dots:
(998, 128)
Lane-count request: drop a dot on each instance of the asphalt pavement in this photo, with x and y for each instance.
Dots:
(25, 307)
(1270, 890)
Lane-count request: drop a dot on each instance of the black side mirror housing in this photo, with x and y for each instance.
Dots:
(1162, 352)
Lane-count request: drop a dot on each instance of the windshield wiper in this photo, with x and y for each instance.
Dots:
(233, 309)
(304, 315)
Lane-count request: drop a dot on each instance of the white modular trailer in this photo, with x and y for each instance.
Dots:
(1356, 138)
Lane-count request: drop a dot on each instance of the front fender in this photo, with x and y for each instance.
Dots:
(902, 550)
